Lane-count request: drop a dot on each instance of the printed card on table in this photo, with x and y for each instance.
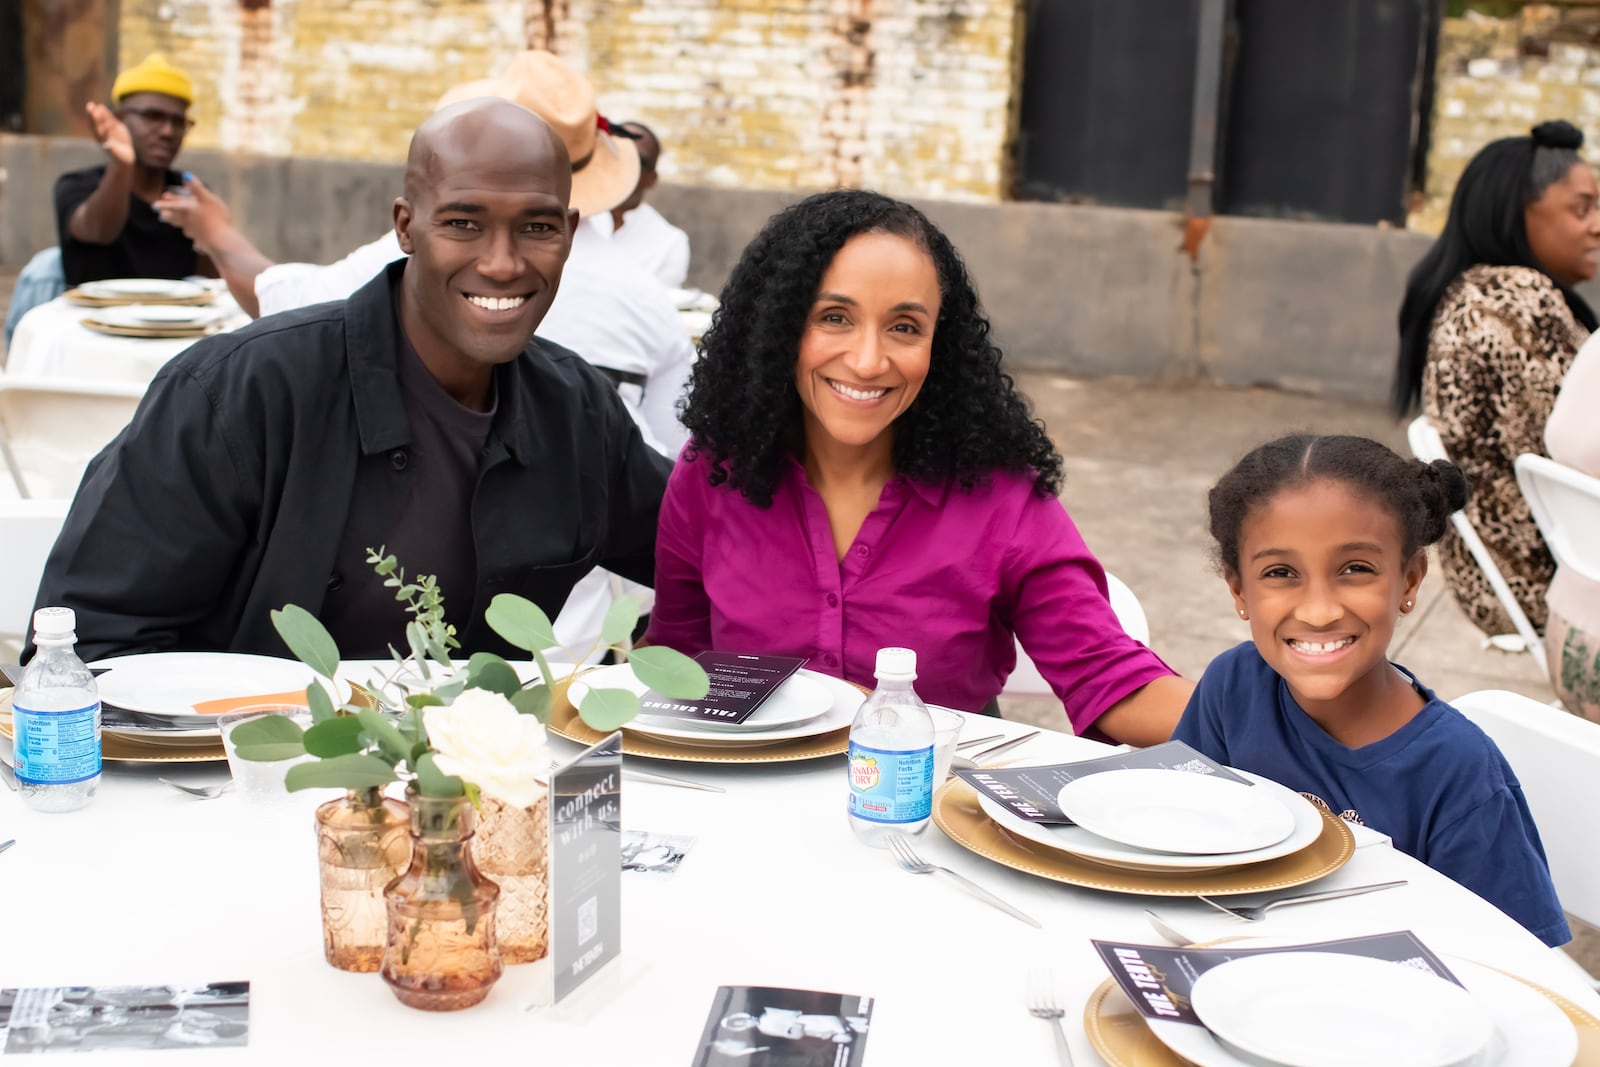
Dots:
(740, 684)
(1030, 792)
(784, 1028)
(585, 864)
(1158, 979)
(117, 1018)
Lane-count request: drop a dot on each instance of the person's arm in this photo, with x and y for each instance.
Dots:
(638, 480)
(667, 382)
(674, 267)
(99, 219)
(1572, 436)
(1150, 714)
(681, 618)
(204, 218)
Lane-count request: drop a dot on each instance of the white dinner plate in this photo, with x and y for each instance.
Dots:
(172, 683)
(841, 700)
(1080, 842)
(1177, 811)
(1529, 1030)
(136, 315)
(111, 288)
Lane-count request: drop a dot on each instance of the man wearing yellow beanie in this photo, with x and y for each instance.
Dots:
(104, 217)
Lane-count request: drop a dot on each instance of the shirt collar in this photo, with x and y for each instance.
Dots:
(931, 493)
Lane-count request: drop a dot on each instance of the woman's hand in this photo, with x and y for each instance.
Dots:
(111, 132)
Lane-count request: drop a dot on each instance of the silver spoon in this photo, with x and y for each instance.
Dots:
(1167, 930)
(202, 792)
(7, 844)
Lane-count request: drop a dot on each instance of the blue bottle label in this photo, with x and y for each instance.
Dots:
(888, 786)
(56, 747)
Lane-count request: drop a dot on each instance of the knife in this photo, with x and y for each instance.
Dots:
(662, 779)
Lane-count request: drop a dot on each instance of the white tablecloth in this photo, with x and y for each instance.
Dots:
(50, 342)
(146, 886)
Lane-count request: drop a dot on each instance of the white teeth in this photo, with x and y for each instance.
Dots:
(856, 394)
(1321, 648)
(497, 303)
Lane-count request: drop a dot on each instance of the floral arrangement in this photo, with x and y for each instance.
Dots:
(448, 729)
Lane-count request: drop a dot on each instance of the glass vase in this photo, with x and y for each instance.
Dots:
(511, 847)
(363, 843)
(441, 953)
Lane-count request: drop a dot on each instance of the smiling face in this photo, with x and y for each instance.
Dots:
(156, 125)
(1564, 227)
(867, 343)
(485, 220)
(1322, 579)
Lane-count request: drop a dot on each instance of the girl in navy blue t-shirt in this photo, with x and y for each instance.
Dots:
(1322, 542)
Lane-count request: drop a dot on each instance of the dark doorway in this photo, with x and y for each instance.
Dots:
(13, 74)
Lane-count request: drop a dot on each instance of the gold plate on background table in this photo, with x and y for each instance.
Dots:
(956, 811)
(82, 299)
(1118, 1033)
(172, 332)
(564, 722)
(124, 750)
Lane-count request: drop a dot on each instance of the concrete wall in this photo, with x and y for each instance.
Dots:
(1079, 290)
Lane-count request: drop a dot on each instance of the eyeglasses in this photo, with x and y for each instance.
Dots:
(156, 117)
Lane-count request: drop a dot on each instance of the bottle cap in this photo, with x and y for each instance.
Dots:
(54, 622)
(896, 663)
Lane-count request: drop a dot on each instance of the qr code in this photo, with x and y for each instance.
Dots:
(1417, 963)
(588, 920)
(1194, 766)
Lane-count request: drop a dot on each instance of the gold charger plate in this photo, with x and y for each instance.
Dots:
(174, 332)
(956, 811)
(1119, 1034)
(82, 299)
(564, 722)
(126, 750)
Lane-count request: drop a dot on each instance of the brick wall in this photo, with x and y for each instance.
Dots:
(1498, 77)
(914, 97)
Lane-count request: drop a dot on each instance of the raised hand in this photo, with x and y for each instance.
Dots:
(111, 132)
(201, 215)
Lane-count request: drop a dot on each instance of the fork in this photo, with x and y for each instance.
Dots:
(908, 859)
(1042, 1004)
(1258, 912)
(202, 792)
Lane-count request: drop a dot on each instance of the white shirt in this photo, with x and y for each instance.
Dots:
(656, 244)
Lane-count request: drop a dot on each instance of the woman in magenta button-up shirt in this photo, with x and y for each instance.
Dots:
(862, 474)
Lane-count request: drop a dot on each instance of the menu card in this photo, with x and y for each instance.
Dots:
(585, 864)
(792, 1027)
(739, 685)
(1158, 979)
(1030, 792)
(110, 1018)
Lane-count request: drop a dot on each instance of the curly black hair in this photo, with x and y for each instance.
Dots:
(743, 410)
(1421, 496)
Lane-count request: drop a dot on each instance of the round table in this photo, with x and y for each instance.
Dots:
(51, 342)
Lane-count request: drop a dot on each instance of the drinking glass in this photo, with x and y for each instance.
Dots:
(947, 724)
(255, 780)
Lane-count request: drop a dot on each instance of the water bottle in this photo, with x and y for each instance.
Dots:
(56, 709)
(891, 755)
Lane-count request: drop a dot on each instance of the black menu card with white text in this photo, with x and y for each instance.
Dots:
(740, 684)
(585, 864)
(1030, 792)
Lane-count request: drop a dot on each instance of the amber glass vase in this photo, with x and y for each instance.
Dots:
(441, 953)
(511, 847)
(363, 843)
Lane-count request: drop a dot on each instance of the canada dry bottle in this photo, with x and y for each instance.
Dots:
(891, 754)
(56, 710)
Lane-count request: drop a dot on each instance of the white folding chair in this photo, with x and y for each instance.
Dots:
(1426, 445)
(1556, 757)
(1025, 677)
(28, 530)
(50, 428)
(1566, 505)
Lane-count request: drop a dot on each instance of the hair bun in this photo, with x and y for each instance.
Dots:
(1450, 482)
(1557, 133)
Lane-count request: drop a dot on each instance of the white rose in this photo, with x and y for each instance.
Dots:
(482, 739)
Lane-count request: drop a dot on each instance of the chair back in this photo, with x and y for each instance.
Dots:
(28, 530)
(50, 428)
(1566, 505)
(1025, 677)
(1556, 757)
(1427, 446)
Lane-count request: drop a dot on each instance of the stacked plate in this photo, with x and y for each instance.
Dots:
(154, 320)
(115, 291)
(1327, 1009)
(807, 717)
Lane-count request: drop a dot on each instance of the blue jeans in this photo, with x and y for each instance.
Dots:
(40, 282)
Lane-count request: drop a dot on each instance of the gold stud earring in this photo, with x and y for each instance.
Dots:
(1243, 614)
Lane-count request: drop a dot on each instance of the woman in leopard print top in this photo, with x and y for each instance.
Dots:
(1489, 325)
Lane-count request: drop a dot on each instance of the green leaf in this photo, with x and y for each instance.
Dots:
(535, 702)
(423, 700)
(607, 709)
(432, 782)
(390, 741)
(268, 739)
(419, 646)
(669, 672)
(335, 737)
(307, 639)
(485, 670)
(355, 771)
(448, 692)
(621, 617)
(520, 622)
(321, 705)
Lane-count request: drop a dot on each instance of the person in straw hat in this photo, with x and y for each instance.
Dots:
(107, 225)
(420, 414)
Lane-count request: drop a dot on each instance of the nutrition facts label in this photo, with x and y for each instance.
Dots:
(57, 747)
